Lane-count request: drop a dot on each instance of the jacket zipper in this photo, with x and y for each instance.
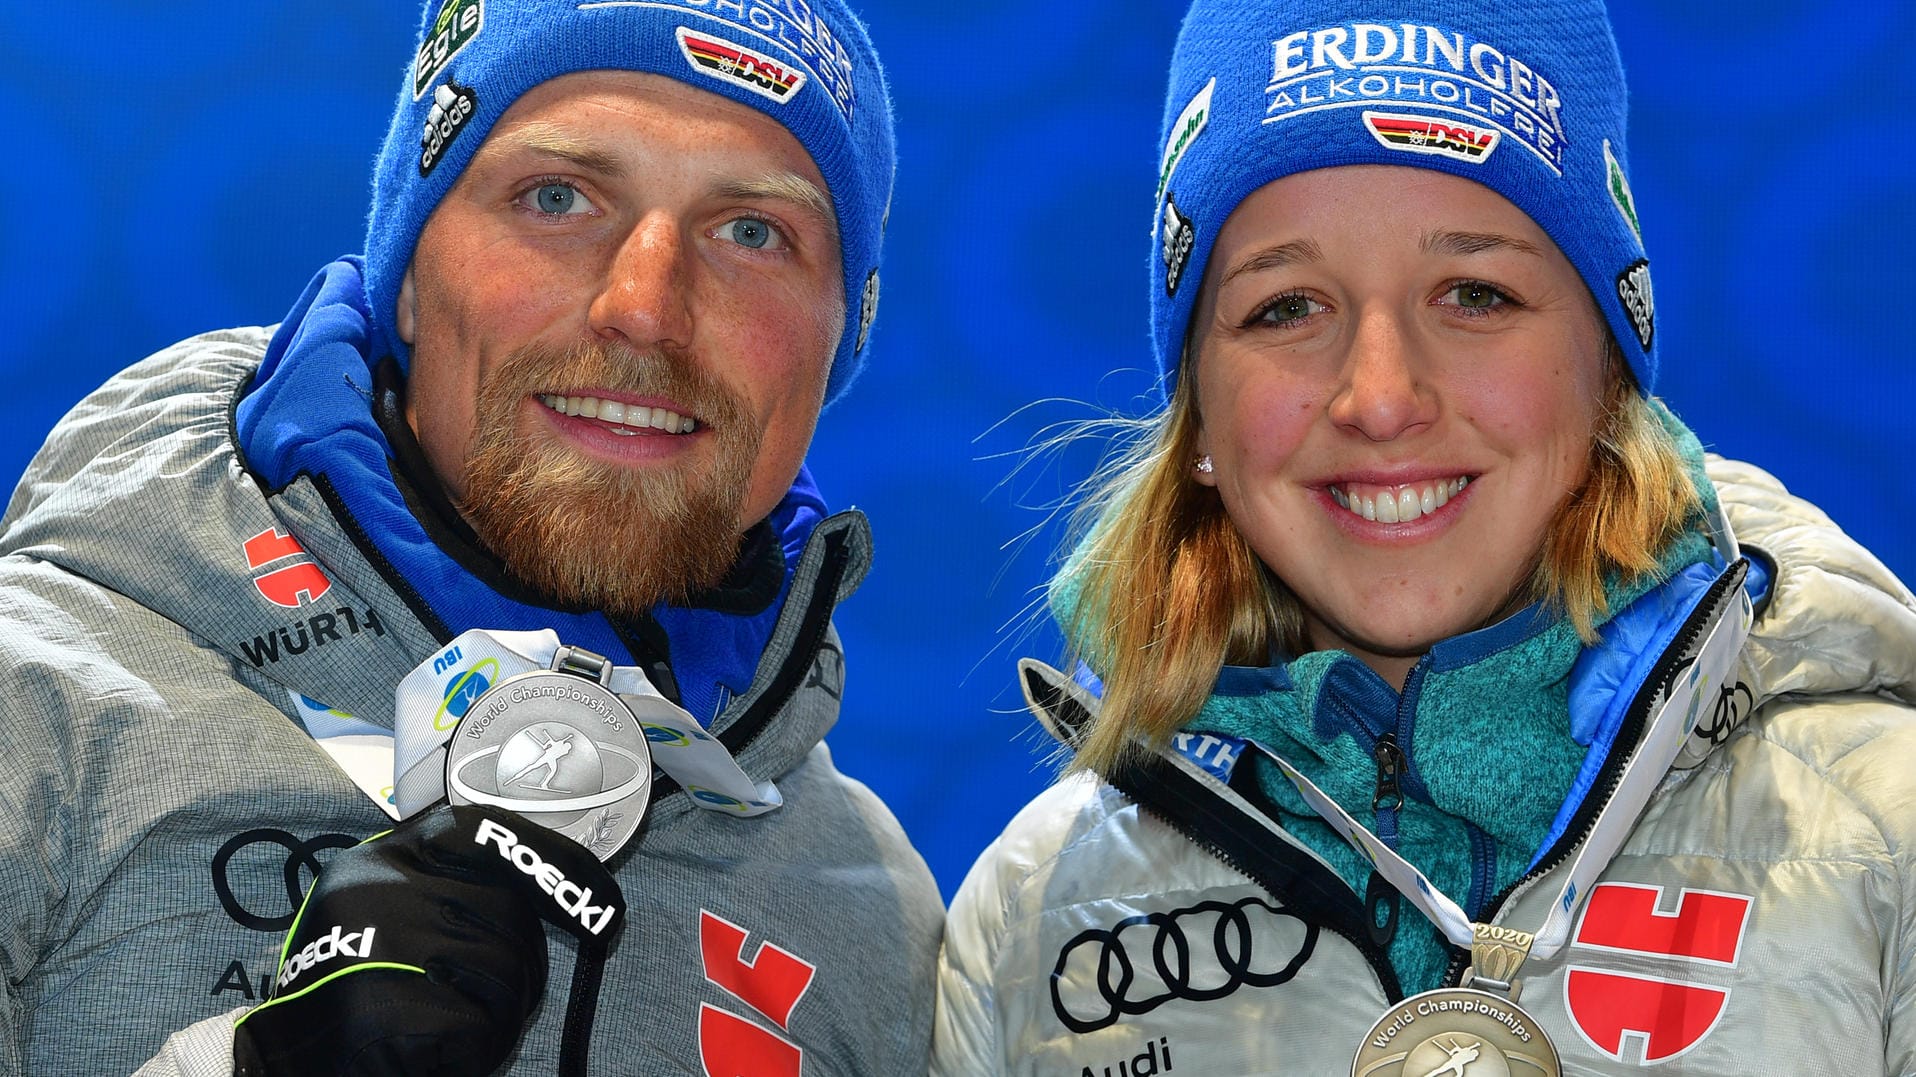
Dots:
(1381, 900)
(817, 619)
(1657, 685)
(1373, 954)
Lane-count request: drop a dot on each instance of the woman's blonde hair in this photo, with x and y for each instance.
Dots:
(1162, 591)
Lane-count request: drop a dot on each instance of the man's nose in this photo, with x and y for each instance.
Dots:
(644, 299)
(1386, 391)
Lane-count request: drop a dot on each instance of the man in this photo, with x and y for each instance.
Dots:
(619, 257)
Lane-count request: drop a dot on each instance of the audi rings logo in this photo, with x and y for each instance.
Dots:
(1201, 953)
(258, 906)
(1734, 702)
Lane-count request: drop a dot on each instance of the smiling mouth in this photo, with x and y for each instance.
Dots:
(1397, 504)
(626, 420)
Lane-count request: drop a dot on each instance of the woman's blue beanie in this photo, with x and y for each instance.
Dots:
(1526, 97)
(806, 63)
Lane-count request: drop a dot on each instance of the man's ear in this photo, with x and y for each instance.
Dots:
(406, 310)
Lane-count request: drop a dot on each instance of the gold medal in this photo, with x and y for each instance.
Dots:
(1456, 1032)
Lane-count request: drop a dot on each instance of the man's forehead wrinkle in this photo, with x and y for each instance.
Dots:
(551, 140)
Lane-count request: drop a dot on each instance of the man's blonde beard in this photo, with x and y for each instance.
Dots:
(594, 535)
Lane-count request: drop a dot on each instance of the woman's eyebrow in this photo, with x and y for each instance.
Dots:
(1445, 242)
(1284, 254)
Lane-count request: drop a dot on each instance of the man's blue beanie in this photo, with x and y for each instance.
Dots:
(806, 63)
(1526, 97)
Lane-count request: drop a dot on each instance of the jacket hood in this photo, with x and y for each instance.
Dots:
(1836, 619)
(139, 489)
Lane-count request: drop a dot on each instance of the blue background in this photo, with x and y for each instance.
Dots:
(179, 172)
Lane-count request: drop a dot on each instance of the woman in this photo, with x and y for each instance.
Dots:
(1432, 718)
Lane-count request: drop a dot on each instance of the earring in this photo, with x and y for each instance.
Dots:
(1203, 465)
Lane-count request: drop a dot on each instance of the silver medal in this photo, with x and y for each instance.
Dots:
(558, 747)
(1456, 1032)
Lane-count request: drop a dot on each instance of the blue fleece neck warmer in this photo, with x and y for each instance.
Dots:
(806, 63)
(309, 412)
(1525, 97)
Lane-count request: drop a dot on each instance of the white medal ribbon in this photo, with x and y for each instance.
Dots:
(362, 750)
(430, 700)
(1668, 731)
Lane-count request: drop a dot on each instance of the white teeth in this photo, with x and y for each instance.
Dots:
(1404, 504)
(623, 418)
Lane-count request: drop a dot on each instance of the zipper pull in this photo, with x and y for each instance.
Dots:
(1380, 897)
(1390, 773)
(1380, 910)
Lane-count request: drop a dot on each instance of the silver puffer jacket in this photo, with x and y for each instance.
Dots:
(1760, 917)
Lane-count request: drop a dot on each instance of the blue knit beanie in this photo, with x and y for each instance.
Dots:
(806, 63)
(1526, 97)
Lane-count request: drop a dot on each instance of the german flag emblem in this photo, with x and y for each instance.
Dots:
(740, 66)
(1423, 134)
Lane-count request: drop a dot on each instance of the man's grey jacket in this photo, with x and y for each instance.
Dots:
(164, 806)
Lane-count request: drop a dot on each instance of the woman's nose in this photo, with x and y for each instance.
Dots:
(1385, 394)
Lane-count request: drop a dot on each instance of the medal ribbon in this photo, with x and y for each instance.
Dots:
(1498, 951)
(432, 698)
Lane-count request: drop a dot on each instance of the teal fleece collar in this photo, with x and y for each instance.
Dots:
(1492, 755)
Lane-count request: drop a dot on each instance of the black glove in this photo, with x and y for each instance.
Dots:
(420, 951)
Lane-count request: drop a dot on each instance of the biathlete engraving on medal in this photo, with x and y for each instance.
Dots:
(1456, 1032)
(560, 748)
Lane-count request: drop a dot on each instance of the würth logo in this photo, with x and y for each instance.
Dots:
(292, 584)
(771, 983)
(1666, 1016)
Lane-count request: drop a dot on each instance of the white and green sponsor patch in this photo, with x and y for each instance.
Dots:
(458, 22)
(1619, 186)
(1185, 129)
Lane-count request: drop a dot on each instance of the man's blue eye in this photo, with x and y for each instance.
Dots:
(556, 198)
(750, 232)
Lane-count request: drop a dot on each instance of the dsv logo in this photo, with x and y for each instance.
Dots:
(299, 854)
(1097, 979)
